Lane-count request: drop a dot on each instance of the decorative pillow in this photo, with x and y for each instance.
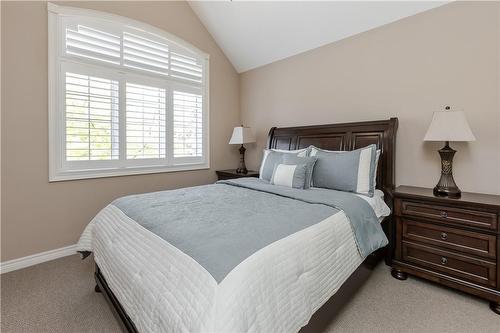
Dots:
(289, 175)
(350, 171)
(307, 161)
(377, 157)
(314, 151)
(272, 157)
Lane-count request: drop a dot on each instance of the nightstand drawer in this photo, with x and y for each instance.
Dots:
(453, 264)
(451, 238)
(472, 218)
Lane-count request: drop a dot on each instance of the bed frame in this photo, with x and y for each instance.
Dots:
(344, 136)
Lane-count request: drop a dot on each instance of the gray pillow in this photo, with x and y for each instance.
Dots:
(307, 161)
(350, 171)
(314, 150)
(273, 157)
(289, 175)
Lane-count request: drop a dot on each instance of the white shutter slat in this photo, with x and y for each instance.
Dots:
(188, 124)
(145, 122)
(145, 64)
(87, 137)
(134, 47)
(91, 55)
(77, 38)
(131, 53)
(180, 66)
(178, 57)
(104, 36)
(185, 76)
(146, 42)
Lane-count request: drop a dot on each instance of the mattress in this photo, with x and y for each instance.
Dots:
(277, 288)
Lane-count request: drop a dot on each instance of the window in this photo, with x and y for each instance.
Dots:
(124, 98)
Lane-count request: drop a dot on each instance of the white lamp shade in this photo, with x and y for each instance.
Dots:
(242, 135)
(449, 126)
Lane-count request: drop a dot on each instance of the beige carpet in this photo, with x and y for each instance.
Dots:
(58, 296)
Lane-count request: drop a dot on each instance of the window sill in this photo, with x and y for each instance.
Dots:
(90, 174)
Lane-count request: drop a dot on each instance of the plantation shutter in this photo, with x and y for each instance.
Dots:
(186, 67)
(137, 50)
(124, 97)
(87, 42)
(188, 124)
(91, 114)
(146, 122)
(145, 54)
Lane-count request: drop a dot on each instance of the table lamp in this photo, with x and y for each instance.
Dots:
(448, 126)
(240, 136)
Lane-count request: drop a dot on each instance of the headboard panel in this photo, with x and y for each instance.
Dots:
(346, 136)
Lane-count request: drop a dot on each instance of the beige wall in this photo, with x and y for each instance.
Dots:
(408, 69)
(38, 216)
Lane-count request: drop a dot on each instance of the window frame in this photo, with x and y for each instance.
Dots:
(58, 63)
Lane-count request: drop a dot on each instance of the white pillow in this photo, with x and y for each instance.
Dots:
(377, 156)
(289, 175)
(377, 203)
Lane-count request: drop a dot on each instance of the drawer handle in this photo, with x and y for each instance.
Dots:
(444, 236)
(444, 261)
(444, 214)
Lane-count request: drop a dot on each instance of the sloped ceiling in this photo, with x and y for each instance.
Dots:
(253, 34)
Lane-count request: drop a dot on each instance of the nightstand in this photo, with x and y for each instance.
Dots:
(454, 242)
(232, 174)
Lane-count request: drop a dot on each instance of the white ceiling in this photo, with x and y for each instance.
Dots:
(253, 34)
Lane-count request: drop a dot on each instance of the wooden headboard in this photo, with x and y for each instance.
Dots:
(346, 136)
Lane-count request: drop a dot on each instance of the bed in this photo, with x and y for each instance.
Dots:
(184, 260)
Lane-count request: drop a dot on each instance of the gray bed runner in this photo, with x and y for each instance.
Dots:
(222, 224)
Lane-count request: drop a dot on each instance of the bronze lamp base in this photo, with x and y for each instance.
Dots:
(446, 186)
(242, 167)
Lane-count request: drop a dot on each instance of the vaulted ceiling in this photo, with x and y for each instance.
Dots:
(253, 34)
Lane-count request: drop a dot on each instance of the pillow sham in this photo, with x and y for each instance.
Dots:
(378, 204)
(314, 151)
(350, 171)
(289, 175)
(377, 157)
(307, 161)
(272, 157)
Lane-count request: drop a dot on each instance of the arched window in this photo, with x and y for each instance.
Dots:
(124, 97)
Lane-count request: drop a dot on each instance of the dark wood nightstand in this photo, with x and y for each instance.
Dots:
(232, 174)
(454, 242)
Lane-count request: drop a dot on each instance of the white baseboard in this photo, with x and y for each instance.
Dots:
(38, 258)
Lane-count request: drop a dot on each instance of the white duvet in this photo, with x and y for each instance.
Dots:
(277, 289)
